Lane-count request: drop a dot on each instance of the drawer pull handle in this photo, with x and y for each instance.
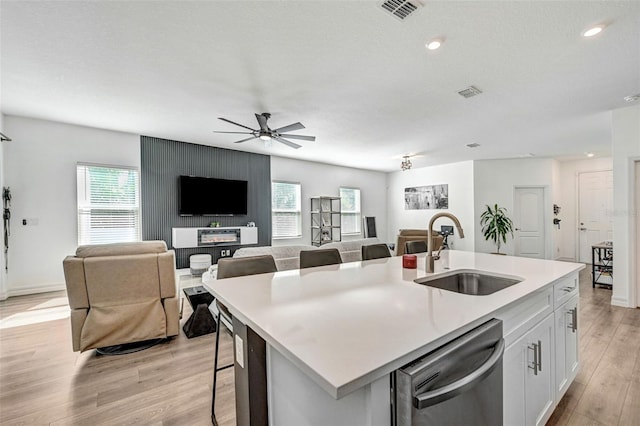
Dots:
(568, 289)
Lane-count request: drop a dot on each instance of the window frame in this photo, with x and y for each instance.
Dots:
(137, 208)
(298, 212)
(357, 213)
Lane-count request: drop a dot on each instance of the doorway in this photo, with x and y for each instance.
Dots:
(595, 204)
(529, 223)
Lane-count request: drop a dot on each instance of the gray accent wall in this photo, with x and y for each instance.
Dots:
(163, 161)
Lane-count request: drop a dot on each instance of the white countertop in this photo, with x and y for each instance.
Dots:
(347, 325)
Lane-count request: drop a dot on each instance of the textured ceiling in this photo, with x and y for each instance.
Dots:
(357, 78)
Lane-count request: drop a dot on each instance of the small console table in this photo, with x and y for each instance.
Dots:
(602, 264)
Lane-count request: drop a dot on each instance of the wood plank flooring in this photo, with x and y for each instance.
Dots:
(42, 382)
(607, 388)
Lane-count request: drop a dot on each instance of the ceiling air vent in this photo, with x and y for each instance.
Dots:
(469, 92)
(401, 9)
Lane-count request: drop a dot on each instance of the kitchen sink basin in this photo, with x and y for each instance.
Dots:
(475, 283)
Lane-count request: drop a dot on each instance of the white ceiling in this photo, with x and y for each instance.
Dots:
(357, 78)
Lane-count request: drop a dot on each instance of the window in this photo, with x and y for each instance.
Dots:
(285, 210)
(350, 209)
(108, 204)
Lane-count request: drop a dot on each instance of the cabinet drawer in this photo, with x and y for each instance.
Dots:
(564, 289)
(519, 318)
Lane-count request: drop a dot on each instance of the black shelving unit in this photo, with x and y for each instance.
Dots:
(602, 264)
(325, 220)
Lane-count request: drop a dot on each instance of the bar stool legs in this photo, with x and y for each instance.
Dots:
(215, 371)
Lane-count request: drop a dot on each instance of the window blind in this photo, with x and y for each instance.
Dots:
(108, 204)
(286, 210)
(350, 210)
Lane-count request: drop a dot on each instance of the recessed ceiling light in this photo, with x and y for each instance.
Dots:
(589, 154)
(434, 44)
(593, 31)
(632, 98)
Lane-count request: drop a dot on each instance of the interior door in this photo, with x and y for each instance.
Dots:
(595, 204)
(529, 222)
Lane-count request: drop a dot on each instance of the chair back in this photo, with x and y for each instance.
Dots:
(412, 247)
(323, 257)
(375, 251)
(242, 266)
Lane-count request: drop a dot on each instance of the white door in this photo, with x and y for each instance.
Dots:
(528, 222)
(595, 203)
(566, 318)
(637, 192)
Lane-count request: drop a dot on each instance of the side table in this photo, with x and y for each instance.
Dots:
(201, 321)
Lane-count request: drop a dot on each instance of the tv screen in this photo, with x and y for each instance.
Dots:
(200, 196)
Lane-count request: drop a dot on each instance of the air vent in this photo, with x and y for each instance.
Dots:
(469, 92)
(401, 9)
(473, 145)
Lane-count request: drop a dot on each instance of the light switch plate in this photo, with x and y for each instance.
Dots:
(239, 351)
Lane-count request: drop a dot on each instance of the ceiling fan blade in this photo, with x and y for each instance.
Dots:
(237, 124)
(304, 138)
(290, 127)
(247, 139)
(235, 133)
(288, 143)
(262, 121)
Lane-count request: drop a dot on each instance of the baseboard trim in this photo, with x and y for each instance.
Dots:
(23, 291)
(616, 301)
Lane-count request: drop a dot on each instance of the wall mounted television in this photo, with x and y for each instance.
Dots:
(201, 196)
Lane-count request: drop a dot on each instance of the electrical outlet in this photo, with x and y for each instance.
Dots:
(239, 351)
(225, 253)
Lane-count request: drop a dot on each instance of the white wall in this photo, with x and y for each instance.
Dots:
(495, 182)
(323, 179)
(40, 168)
(568, 201)
(3, 289)
(459, 177)
(625, 150)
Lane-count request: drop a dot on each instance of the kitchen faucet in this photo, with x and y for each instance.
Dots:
(430, 258)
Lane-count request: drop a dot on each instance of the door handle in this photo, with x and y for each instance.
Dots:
(460, 386)
(517, 229)
(582, 229)
(575, 319)
(539, 355)
(534, 348)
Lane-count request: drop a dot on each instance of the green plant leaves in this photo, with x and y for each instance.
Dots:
(496, 225)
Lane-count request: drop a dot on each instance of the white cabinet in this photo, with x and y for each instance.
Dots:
(528, 368)
(566, 332)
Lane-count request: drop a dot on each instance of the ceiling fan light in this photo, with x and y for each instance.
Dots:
(265, 137)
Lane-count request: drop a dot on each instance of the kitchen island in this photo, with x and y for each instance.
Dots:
(334, 334)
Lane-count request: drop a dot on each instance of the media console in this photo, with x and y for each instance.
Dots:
(214, 237)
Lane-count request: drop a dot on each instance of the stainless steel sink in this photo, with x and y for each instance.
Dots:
(475, 283)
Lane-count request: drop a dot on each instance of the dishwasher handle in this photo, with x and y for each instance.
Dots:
(460, 386)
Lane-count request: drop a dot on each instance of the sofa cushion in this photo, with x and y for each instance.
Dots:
(122, 249)
(286, 257)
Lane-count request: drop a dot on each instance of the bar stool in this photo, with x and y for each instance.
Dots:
(413, 247)
(375, 251)
(229, 268)
(311, 258)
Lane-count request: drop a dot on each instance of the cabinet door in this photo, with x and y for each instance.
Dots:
(540, 379)
(514, 366)
(566, 331)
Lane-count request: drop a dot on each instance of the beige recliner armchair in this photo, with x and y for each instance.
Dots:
(416, 235)
(121, 293)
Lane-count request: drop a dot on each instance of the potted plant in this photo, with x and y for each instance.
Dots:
(496, 225)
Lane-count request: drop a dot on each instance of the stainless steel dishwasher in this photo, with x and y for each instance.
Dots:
(458, 384)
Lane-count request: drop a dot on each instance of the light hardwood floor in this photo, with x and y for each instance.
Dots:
(43, 382)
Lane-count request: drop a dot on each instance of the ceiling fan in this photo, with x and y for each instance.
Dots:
(266, 134)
